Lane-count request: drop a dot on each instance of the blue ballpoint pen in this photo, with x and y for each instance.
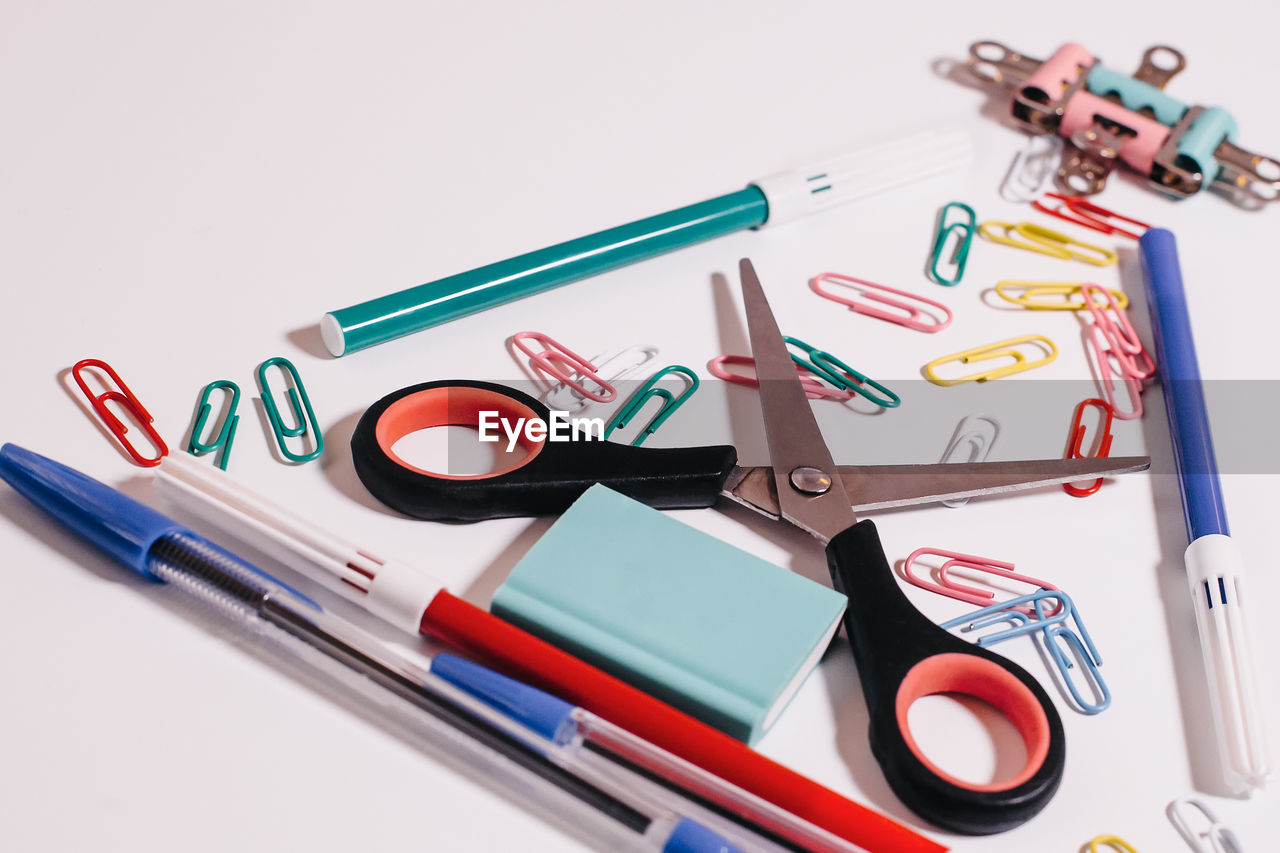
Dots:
(1214, 562)
(609, 806)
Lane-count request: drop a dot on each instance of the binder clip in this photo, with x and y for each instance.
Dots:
(1108, 117)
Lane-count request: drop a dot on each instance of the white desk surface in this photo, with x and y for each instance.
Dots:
(186, 190)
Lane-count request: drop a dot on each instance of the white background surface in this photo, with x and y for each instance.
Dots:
(187, 189)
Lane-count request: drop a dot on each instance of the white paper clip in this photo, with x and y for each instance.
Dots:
(610, 367)
(1214, 838)
(971, 442)
(1033, 169)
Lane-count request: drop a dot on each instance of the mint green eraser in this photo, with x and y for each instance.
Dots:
(720, 634)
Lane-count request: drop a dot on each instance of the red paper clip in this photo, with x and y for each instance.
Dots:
(562, 363)
(1076, 444)
(814, 388)
(129, 403)
(1089, 215)
(912, 317)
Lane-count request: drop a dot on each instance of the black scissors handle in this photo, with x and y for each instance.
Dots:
(546, 479)
(901, 657)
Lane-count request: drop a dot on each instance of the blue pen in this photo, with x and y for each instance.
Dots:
(611, 807)
(1214, 563)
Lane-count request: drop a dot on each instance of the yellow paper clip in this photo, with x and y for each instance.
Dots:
(1002, 349)
(1112, 841)
(1030, 291)
(1046, 241)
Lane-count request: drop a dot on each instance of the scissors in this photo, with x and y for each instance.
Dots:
(901, 656)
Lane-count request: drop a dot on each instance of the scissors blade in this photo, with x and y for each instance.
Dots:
(811, 495)
(873, 487)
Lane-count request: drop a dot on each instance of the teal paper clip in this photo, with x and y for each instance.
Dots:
(648, 391)
(841, 375)
(226, 433)
(298, 403)
(960, 255)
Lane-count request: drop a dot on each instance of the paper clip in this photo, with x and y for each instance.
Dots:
(973, 439)
(611, 367)
(300, 405)
(1050, 622)
(1030, 290)
(1112, 841)
(841, 375)
(646, 392)
(1119, 332)
(1032, 169)
(1089, 215)
(226, 433)
(1214, 838)
(1075, 443)
(1000, 349)
(131, 405)
(962, 592)
(913, 318)
(1102, 355)
(814, 387)
(1045, 241)
(559, 362)
(959, 256)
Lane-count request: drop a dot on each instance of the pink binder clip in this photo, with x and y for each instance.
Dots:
(963, 592)
(913, 318)
(122, 396)
(814, 388)
(561, 363)
(1102, 355)
(1125, 343)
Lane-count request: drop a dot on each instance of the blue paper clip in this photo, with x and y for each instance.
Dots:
(646, 392)
(226, 433)
(298, 403)
(841, 375)
(1054, 633)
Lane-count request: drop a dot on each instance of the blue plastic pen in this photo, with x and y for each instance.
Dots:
(610, 807)
(1214, 563)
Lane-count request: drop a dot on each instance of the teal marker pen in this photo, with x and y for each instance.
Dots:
(772, 200)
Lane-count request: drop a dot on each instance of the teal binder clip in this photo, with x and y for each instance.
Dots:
(648, 391)
(226, 433)
(300, 405)
(964, 229)
(841, 375)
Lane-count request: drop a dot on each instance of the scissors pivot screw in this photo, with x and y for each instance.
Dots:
(810, 480)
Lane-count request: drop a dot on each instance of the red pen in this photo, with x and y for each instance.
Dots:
(410, 599)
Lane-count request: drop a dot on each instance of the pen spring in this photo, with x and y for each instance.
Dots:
(208, 573)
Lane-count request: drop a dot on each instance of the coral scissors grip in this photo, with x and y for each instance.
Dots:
(901, 655)
(541, 477)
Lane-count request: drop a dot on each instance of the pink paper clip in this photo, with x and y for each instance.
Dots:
(972, 594)
(1120, 333)
(1089, 215)
(1099, 347)
(565, 365)
(1075, 444)
(127, 401)
(814, 388)
(914, 318)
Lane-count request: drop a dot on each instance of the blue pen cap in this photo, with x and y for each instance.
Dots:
(114, 522)
(529, 706)
(690, 836)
